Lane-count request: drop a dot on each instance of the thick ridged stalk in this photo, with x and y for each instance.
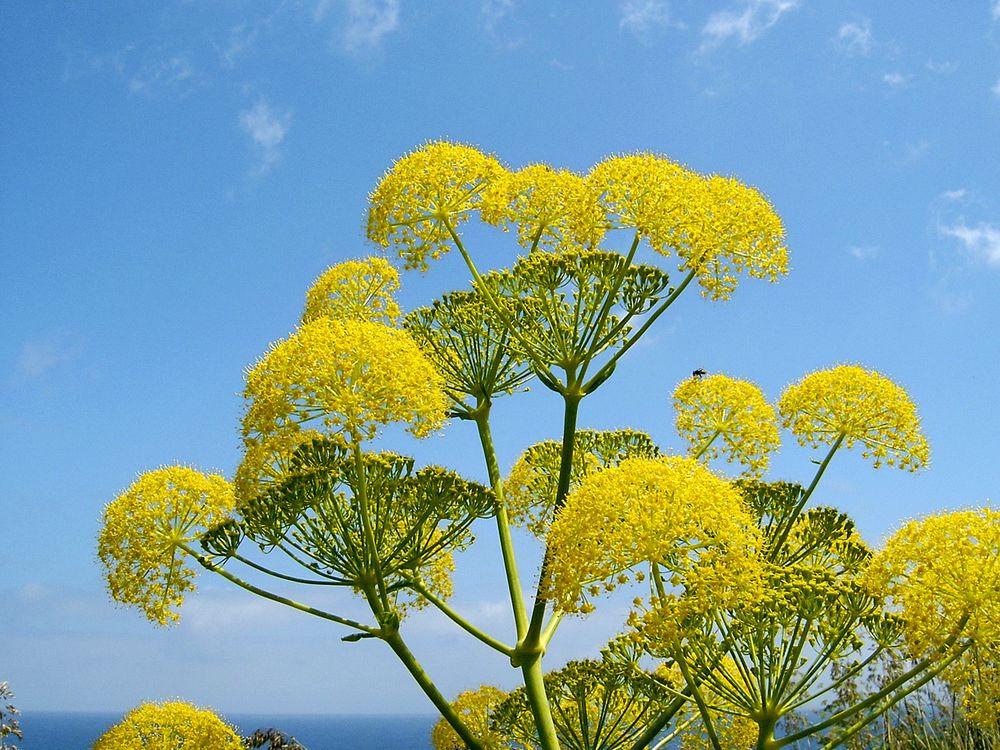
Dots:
(503, 523)
(396, 643)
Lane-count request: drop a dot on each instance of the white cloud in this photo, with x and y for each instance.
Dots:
(954, 195)
(492, 12)
(981, 242)
(268, 129)
(996, 10)
(863, 252)
(43, 355)
(855, 38)
(240, 39)
(643, 16)
(896, 79)
(169, 73)
(942, 68)
(996, 88)
(368, 21)
(745, 24)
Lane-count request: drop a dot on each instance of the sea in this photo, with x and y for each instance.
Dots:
(78, 731)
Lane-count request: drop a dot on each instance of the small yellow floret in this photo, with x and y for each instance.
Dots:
(857, 405)
(143, 527)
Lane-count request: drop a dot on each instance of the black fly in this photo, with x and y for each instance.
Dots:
(698, 373)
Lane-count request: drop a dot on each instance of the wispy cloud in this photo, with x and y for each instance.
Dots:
(502, 24)
(267, 128)
(368, 22)
(996, 10)
(239, 41)
(745, 24)
(40, 356)
(855, 38)
(896, 79)
(996, 88)
(172, 73)
(863, 252)
(492, 12)
(944, 67)
(980, 242)
(642, 17)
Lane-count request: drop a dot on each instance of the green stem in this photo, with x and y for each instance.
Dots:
(209, 565)
(572, 408)
(698, 699)
(931, 663)
(371, 557)
(602, 374)
(396, 643)
(706, 445)
(484, 289)
(605, 311)
(786, 524)
(538, 701)
(503, 522)
(493, 643)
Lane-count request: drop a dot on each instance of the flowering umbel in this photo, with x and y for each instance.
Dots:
(668, 511)
(722, 416)
(852, 404)
(425, 196)
(140, 544)
(169, 725)
(346, 378)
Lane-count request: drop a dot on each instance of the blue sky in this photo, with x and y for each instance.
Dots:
(175, 174)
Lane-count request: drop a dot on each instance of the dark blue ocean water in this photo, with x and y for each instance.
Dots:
(78, 731)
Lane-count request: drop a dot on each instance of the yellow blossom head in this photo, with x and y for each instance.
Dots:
(721, 416)
(139, 545)
(550, 208)
(942, 574)
(169, 725)
(345, 378)
(857, 405)
(940, 569)
(716, 225)
(671, 511)
(474, 708)
(355, 290)
(266, 461)
(425, 196)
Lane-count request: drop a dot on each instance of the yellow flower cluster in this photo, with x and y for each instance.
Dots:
(266, 461)
(425, 195)
(719, 415)
(473, 708)
(940, 569)
(550, 208)
(530, 488)
(671, 511)
(355, 290)
(857, 405)
(345, 377)
(138, 545)
(170, 726)
(717, 225)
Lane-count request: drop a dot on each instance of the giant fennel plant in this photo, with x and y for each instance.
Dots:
(748, 592)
